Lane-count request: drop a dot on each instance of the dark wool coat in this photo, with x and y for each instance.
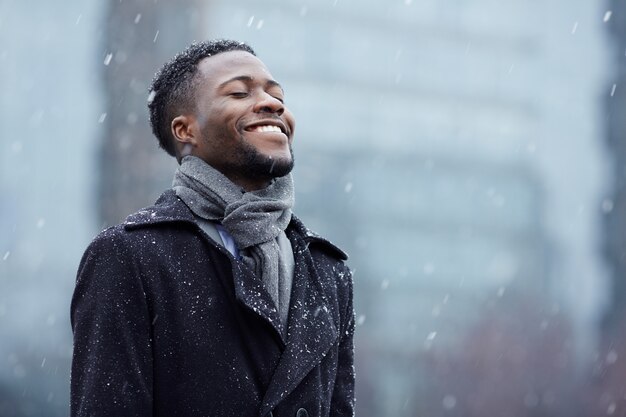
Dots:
(167, 323)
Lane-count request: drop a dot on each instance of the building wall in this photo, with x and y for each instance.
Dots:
(615, 205)
(51, 103)
(139, 38)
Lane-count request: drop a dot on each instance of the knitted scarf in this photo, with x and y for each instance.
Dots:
(254, 219)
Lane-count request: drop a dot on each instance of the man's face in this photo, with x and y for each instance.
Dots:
(244, 127)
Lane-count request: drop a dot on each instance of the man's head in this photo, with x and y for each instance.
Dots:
(218, 101)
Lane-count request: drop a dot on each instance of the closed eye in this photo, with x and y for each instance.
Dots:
(239, 94)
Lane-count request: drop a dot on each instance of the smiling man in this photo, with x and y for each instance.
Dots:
(217, 300)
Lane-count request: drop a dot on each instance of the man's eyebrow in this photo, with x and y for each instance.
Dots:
(247, 79)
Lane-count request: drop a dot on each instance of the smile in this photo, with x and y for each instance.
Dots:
(269, 125)
(266, 128)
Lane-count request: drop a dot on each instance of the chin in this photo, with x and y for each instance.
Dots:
(258, 165)
(281, 167)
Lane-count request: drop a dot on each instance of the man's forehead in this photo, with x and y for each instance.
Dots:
(233, 63)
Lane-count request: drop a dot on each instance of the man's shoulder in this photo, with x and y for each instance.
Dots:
(167, 209)
(315, 241)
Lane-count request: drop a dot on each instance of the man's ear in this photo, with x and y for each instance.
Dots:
(184, 130)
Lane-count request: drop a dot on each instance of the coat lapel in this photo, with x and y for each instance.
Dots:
(311, 334)
(250, 291)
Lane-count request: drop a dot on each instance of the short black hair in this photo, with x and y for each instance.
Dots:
(172, 89)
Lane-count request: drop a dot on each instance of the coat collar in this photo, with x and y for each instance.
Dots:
(170, 208)
(312, 238)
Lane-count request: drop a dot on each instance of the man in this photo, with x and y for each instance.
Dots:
(216, 301)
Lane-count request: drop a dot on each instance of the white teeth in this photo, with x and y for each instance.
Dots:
(267, 128)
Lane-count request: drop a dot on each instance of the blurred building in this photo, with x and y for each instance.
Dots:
(139, 38)
(50, 101)
(616, 134)
(455, 149)
(76, 154)
(606, 386)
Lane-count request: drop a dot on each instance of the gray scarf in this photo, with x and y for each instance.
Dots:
(254, 219)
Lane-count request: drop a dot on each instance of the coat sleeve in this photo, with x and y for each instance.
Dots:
(343, 400)
(112, 359)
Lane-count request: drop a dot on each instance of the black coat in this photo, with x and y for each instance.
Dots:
(167, 323)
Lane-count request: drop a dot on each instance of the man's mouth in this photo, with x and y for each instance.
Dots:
(268, 126)
(265, 128)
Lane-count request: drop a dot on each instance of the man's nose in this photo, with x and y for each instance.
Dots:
(269, 104)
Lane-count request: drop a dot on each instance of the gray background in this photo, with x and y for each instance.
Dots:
(469, 155)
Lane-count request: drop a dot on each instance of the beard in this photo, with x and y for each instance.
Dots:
(256, 165)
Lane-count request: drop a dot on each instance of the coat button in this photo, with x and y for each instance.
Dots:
(302, 413)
